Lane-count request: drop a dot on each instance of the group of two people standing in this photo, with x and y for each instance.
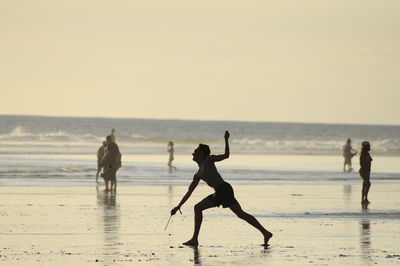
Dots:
(109, 159)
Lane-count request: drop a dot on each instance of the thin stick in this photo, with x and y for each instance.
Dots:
(168, 222)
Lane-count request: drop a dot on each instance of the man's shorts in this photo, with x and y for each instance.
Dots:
(224, 196)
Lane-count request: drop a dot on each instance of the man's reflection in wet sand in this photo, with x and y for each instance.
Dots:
(196, 255)
(109, 219)
(365, 237)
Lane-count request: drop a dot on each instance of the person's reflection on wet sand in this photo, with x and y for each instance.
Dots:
(170, 194)
(365, 239)
(171, 170)
(365, 233)
(109, 220)
(196, 255)
(347, 193)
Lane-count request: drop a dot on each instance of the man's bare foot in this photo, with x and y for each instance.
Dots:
(191, 242)
(267, 237)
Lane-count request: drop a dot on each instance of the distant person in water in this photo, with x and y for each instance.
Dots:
(170, 150)
(112, 134)
(365, 170)
(223, 195)
(348, 153)
(111, 162)
(100, 154)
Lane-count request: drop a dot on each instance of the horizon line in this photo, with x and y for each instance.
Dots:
(199, 120)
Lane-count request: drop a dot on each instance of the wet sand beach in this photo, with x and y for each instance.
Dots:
(318, 224)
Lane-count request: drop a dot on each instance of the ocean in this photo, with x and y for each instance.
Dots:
(41, 151)
(288, 175)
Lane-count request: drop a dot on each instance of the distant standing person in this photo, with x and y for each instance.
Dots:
(348, 153)
(365, 170)
(111, 162)
(223, 195)
(112, 134)
(170, 150)
(100, 154)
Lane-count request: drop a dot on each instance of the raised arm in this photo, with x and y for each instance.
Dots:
(191, 188)
(217, 158)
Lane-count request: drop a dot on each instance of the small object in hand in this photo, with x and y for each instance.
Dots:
(168, 222)
(170, 219)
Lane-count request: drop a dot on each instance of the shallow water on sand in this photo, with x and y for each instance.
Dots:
(151, 170)
(312, 224)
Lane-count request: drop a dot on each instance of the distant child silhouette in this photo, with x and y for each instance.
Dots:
(365, 170)
(348, 153)
(170, 150)
(223, 195)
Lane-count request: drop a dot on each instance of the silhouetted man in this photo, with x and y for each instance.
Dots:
(365, 170)
(223, 195)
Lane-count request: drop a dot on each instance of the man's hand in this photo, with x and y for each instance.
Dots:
(174, 210)
(227, 135)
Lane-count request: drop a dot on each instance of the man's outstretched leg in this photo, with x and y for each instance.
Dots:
(251, 220)
(198, 218)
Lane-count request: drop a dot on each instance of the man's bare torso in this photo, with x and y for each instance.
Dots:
(209, 174)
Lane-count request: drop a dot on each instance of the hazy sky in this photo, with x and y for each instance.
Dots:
(305, 61)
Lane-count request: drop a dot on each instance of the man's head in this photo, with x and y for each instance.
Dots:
(104, 143)
(112, 130)
(348, 141)
(108, 138)
(201, 152)
(365, 146)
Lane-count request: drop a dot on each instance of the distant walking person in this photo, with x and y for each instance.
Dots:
(111, 162)
(100, 154)
(348, 153)
(223, 195)
(170, 150)
(365, 170)
(112, 134)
